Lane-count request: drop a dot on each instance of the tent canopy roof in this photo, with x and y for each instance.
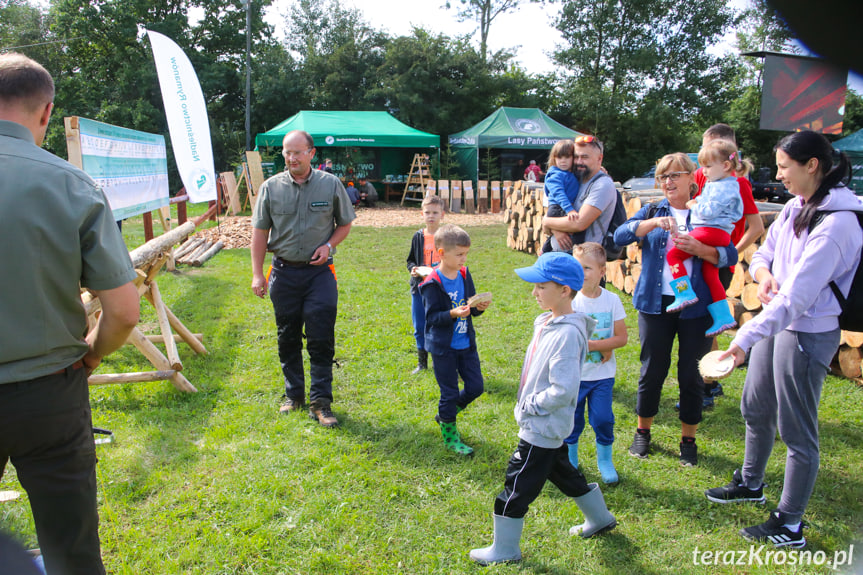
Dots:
(852, 143)
(513, 128)
(351, 129)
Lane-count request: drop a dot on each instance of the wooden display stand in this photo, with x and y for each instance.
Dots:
(148, 261)
(467, 188)
(443, 190)
(253, 174)
(455, 199)
(418, 179)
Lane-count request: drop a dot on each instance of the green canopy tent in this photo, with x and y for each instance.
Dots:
(506, 129)
(853, 147)
(367, 144)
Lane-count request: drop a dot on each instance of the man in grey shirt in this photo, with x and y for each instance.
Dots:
(301, 215)
(596, 199)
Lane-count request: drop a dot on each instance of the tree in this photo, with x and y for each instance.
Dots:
(483, 12)
(339, 54)
(106, 71)
(634, 63)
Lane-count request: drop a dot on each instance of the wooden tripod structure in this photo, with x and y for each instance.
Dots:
(148, 261)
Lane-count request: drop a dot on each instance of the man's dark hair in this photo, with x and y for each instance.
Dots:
(24, 82)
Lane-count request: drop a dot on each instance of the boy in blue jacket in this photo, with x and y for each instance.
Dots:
(449, 333)
(547, 397)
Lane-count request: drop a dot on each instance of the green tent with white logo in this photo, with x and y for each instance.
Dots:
(370, 144)
(528, 129)
(853, 147)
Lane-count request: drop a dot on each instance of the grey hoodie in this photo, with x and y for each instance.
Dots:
(804, 267)
(551, 376)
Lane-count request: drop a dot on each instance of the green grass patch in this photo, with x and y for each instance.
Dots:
(218, 482)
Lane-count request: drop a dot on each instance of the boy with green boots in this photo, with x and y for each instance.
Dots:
(449, 333)
(545, 408)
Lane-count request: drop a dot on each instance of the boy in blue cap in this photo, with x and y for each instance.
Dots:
(547, 397)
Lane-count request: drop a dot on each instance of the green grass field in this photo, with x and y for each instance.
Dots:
(218, 482)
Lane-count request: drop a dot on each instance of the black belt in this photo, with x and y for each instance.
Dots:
(282, 262)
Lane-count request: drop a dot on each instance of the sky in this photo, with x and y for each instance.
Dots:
(529, 30)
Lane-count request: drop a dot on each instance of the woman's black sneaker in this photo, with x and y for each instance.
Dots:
(736, 492)
(640, 445)
(688, 454)
(774, 531)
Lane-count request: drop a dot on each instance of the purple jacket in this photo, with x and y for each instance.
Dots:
(804, 268)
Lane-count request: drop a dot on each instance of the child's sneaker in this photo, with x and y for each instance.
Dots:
(774, 531)
(736, 492)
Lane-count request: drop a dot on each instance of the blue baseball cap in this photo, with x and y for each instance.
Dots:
(558, 267)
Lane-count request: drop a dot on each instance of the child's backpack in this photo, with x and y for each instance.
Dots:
(612, 250)
(851, 318)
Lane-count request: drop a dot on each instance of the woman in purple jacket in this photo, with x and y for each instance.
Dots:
(796, 335)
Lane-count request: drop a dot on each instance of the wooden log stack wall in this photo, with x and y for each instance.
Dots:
(524, 212)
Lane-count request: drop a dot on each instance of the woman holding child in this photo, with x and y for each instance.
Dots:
(653, 226)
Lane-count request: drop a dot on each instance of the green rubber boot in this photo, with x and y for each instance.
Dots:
(452, 439)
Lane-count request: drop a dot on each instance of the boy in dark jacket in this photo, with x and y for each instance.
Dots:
(422, 257)
(449, 333)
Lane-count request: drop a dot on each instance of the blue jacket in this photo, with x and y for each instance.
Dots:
(647, 297)
(439, 323)
(561, 187)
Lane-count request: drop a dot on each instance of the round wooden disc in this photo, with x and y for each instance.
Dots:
(711, 367)
(9, 495)
(479, 298)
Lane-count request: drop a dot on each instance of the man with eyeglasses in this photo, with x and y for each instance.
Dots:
(301, 215)
(595, 202)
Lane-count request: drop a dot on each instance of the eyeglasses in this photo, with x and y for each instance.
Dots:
(585, 139)
(295, 154)
(673, 176)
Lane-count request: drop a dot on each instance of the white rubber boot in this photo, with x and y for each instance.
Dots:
(504, 549)
(597, 517)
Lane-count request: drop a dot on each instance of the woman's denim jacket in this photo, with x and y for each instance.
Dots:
(647, 297)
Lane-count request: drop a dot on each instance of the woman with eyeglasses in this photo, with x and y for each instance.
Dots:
(659, 227)
(813, 246)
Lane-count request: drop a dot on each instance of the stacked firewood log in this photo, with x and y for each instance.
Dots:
(524, 213)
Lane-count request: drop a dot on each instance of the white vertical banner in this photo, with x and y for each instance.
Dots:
(186, 112)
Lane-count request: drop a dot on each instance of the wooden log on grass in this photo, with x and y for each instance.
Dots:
(145, 254)
(213, 250)
(134, 377)
(165, 326)
(158, 338)
(189, 245)
(152, 353)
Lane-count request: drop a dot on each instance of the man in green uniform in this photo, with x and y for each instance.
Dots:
(58, 233)
(301, 215)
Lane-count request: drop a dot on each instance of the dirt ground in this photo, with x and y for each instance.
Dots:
(235, 232)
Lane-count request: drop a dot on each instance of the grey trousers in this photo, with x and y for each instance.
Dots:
(783, 389)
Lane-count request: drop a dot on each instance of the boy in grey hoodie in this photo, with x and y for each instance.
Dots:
(547, 397)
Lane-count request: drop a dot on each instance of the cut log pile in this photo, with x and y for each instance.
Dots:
(524, 213)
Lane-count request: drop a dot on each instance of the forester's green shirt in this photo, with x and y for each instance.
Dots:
(57, 234)
(301, 217)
